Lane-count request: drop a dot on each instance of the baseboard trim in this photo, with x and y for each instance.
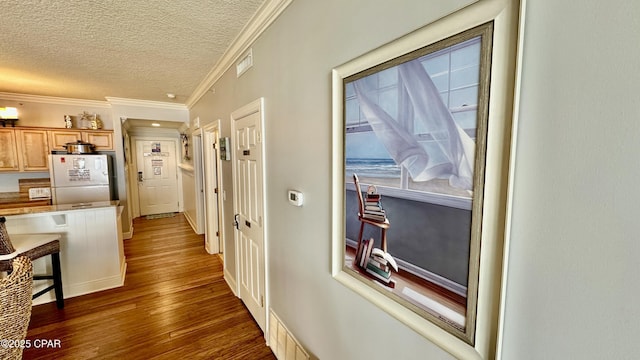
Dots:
(129, 234)
(228, 278)
(191, 222)
(283, 343)
(84, 288)
(123, 272)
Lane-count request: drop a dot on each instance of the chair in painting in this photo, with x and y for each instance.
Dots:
(382, 225)
(33, 246)
(15, 306)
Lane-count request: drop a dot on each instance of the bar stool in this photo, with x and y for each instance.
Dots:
(15, 306)
(33, 246)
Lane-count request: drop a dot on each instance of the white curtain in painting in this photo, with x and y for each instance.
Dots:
(420, 100)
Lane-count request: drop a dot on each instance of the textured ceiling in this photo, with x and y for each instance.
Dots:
(136, 49)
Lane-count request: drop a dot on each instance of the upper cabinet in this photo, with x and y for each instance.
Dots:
(58, 138)
(23, 150)
(33, 149)
(8, 150)
(102, 139)
(27, 149)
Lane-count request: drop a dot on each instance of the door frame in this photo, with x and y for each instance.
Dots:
(133, 175)
(198, 175)
(252, 107)
(210, 134)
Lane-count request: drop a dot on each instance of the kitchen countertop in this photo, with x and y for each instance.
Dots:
(57, 208)
(19, 200)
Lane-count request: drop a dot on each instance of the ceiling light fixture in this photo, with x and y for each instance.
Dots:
(171, 95)
(155, 124)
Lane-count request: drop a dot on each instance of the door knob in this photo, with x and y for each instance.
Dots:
(139, 176)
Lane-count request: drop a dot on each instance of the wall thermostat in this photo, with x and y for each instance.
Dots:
(295, 197)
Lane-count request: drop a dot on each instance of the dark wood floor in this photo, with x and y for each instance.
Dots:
(174, 305)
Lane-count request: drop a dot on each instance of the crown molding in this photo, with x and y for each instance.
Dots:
(145, 103)
(265, 15)
(53, 100)
(93, 103)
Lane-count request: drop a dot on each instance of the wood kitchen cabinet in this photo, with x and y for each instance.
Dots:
(58, 138)
(33, 149)
(102, 139)
(27, 149)
(23, 150)
(8, 150)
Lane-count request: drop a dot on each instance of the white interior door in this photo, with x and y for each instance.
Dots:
(248, 203)
(157, 176)
(212, 190)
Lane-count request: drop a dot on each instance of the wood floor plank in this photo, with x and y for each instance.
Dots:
(175, 304)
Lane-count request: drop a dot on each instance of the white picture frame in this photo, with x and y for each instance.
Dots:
(479, 338)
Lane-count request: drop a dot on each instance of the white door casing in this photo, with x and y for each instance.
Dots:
(198, 174)
(157, 176)
(213, 222)
(248, 175)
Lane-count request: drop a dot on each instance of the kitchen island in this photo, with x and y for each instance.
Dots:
(91, 247)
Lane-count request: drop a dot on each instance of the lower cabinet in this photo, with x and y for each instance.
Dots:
(91, 248)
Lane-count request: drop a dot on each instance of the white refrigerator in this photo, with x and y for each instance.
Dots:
(80, 178)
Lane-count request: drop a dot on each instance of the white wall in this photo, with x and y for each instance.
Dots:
(572, 280)
(292, 66)
(50, 111)
(573, 269)
(10, 182)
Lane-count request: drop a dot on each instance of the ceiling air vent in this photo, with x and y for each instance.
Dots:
(246, 62)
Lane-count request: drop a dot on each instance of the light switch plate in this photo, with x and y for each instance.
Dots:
(295, 197)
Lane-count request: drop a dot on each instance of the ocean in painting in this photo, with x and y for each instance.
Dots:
(376, 168)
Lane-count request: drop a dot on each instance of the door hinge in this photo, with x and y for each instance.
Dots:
(217, 233)
(261, 300)
(215, 191)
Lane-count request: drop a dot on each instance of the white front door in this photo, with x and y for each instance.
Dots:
(248, 203)
(157, 179)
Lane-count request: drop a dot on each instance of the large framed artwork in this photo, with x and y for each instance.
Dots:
(422, 149)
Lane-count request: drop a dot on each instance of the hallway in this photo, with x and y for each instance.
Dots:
(175, 304)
